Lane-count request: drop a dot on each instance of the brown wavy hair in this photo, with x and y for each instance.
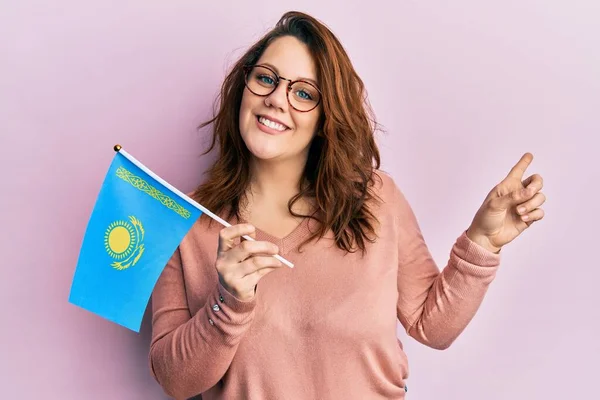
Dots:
(339, 172)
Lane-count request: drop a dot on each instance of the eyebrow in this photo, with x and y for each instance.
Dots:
(301, 78)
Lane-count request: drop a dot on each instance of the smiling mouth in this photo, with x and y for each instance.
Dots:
(271, 124)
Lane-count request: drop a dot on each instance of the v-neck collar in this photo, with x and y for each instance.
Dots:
(292, 239)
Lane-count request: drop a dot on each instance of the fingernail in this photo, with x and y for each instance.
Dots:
(525, 217)
(521, 210)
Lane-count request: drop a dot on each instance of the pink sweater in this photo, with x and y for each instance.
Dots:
(325, 329)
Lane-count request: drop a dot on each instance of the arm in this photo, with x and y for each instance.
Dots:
(188, 353)
(435, 307)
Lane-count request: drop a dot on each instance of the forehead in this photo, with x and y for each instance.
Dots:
(290, 57)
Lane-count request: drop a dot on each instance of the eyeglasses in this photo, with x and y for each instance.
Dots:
(262, 81)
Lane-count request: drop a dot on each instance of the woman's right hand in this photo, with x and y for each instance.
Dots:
(241, 267)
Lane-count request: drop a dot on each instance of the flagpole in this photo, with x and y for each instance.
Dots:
(119, 149)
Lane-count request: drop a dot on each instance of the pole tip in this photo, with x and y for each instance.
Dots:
(117, 147)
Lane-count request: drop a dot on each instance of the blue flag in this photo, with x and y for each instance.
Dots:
(136, 224)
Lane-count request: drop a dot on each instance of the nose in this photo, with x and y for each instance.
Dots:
(278, 98)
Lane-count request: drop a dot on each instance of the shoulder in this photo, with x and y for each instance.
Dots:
(386, 188)
(390, 197)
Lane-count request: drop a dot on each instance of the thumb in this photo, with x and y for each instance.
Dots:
(513, 198)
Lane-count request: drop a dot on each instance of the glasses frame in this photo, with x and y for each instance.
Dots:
(279, 78)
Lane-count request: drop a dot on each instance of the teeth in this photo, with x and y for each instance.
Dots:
(271, 124)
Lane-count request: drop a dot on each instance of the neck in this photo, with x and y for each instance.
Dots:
(276, 180)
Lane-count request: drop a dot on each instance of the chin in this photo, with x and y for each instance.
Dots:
(262, 145)
(264, 154)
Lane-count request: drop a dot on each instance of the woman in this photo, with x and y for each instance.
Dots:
(298, 169)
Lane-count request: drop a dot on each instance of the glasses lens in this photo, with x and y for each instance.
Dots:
(261, 81)
(304, 96)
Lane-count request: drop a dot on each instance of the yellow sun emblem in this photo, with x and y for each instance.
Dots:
(123, 241)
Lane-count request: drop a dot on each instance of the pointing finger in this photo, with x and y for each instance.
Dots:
(228, 235)
(519, 169)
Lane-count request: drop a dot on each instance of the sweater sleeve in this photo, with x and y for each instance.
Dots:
(435, 307)
(190, 353)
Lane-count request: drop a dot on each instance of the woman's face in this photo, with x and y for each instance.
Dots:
(270, 127)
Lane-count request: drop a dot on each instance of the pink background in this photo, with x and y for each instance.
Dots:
(463, 89)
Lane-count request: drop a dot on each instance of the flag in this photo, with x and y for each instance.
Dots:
(137, 223)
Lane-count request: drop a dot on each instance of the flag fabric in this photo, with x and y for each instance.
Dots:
(137, 223)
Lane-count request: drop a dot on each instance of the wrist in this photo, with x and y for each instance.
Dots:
(482, 241)
(239, 296)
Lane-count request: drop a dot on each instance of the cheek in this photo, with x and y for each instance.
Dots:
(249, 103)
(244, 108)
(307, 123)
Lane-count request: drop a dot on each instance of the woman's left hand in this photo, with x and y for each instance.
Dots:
(510, 208)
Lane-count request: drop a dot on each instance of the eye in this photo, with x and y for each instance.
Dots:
(266, 79)
(304, 95)
(304, 92)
